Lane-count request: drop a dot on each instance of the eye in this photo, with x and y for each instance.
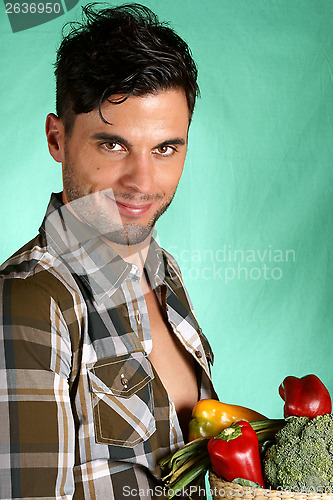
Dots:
(113, 146)
(165, 150)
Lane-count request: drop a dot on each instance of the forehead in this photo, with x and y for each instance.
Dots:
(165, 112)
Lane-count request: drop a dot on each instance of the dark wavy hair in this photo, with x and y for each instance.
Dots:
(124, 51)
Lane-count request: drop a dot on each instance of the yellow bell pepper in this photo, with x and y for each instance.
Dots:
(209, 417)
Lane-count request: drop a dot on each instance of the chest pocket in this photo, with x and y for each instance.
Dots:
(122, 399)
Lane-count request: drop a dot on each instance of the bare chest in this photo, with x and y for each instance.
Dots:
(174, 365)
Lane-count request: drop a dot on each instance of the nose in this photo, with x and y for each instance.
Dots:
(138, 174)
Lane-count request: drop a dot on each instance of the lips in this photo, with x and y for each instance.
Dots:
(132, 208)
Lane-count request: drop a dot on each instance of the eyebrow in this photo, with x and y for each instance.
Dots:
(176, 142)
(102, 136)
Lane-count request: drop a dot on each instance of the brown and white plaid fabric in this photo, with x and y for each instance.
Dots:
(83, 414)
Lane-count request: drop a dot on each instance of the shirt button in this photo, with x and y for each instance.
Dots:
(124, 380)
(138, 317)
(198, 354)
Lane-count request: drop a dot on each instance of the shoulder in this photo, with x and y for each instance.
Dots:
(23, 260)
(32, 277)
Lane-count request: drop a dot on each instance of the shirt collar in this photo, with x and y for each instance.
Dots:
(89, 257)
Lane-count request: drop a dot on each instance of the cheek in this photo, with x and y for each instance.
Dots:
(167, 184)
(177, 175)
(92, 171)
(171, 175)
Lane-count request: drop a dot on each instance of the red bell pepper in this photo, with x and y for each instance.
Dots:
(305, 397)
(234, 453)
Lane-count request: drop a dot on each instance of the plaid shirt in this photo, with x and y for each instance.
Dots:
(83, 413)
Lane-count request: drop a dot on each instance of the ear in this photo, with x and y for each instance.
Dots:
(55, 133)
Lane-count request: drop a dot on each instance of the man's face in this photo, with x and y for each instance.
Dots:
(120, 177)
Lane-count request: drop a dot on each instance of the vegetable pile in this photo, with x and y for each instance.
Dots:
(243, 446)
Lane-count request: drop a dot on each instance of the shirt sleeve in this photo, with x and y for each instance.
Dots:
(36, 421)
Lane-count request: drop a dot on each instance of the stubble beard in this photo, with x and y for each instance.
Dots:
(83, 202)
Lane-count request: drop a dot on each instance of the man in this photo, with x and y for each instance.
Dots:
(102, 358)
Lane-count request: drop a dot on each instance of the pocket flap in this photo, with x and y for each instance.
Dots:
(121, 376)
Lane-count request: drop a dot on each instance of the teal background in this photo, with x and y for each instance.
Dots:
(258, 178)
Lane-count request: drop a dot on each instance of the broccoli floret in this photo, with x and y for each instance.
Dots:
(301, 459)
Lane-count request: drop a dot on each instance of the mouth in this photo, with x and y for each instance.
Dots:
(133, 209)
